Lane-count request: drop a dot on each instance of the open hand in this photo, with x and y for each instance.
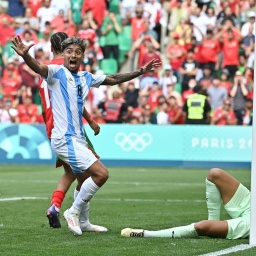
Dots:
(20, 48)
(153, 64)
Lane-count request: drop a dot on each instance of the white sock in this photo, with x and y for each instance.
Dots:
(177, 232)
(84, 214)
(213, 200)
(87, 191)
(75, 194)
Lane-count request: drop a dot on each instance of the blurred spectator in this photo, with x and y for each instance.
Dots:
(224, 80)
(131, 95)
(154, 93)
(199, 21)
(177, 13)
(137, 22)
(155, 9)
(248, 116)
(76, 10)
(197, 108)
(210, 18)
(11, 82)
(112, 111)
(150, 55)
(185, 32)
(227, 14)
(247, 43)
(6, 29)
(98, 8)
(216, 93)
(191, 84)
(188, 69)
(88, 29)
(16, 8)
(27, 112)
(27, 40)
(45, 13)
(176, 54)
(111, 27)
(248, 24)
(139, 110)
(148, 31)
(28, 77)
(127, 7)
(239, 93)
(230, 49)
(45, 43)
(57, 23)
(210, 51)
(69, 28)
(167, 79)
(33, 21)
(148, 80)
(18, 26)
(62, 5)
(162, 116)
(207, 77)
(175, 111)
(148, 117)
(34, 5)
(224, 114)
(7, 113)
(27, 27)
(140, 45)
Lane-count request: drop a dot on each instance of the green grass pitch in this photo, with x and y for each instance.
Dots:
(150, 198)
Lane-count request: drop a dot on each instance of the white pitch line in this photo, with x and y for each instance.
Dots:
(149, 200)
(115, 183)
(241, 247)
(22, 198)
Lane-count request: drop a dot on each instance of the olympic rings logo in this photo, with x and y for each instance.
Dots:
(133, 141)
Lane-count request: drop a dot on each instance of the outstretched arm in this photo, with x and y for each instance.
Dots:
(120, 78)
(22, 50)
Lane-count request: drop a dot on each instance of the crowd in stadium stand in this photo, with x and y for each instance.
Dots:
(202, 44)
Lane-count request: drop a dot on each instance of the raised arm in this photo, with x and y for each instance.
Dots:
(120, 78)
(22, 50)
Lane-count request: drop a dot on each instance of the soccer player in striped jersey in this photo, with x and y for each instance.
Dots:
(221, 187)
(68, 177)
(68, 89)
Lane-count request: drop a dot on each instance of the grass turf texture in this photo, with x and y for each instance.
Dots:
(150, 198)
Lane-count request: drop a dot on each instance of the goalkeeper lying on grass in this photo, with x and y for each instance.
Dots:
(220, 187)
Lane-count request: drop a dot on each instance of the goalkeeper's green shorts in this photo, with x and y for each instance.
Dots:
(239, 209)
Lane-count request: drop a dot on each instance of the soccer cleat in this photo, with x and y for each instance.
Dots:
(129, 232)
(88, 227)
(53, 216)
(73, 222)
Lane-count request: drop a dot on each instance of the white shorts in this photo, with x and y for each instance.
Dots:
(74, 151)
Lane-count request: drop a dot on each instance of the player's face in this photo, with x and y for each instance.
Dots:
(73, 56)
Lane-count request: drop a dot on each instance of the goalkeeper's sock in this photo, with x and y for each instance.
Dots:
(177, 232)
(213, 200)
(57, 198)
(87, 191)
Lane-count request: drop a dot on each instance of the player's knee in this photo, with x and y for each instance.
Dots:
(214, 174)
(102, 175)
(201, 227)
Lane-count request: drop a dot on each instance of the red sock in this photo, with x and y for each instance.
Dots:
(57, 198)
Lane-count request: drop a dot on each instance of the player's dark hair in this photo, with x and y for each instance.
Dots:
(73, 40)
(57, 39)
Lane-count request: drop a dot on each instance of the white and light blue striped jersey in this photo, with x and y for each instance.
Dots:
(67, 98)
